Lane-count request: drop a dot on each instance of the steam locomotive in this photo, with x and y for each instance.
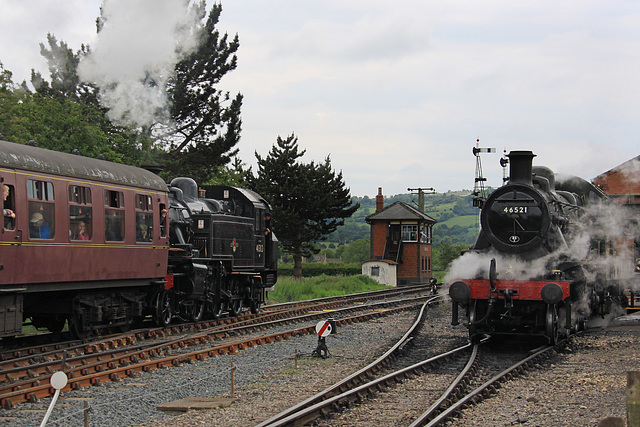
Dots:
(542, 263)
(97, 245)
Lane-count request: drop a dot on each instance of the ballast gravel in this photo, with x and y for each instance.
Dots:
(582, 384)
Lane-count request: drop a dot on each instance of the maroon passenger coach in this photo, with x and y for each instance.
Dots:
(74, 222)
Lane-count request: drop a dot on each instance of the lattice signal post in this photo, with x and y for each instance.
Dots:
(479, 190)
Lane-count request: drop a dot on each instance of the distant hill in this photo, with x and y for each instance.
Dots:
(454, 211)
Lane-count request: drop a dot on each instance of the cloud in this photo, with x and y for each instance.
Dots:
(381, 86)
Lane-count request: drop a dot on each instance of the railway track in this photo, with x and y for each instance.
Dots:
(427, 392)
(482, 383)
(25, 372)
(32, 345)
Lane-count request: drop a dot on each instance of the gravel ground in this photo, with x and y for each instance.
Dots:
(260, 373)
(585, 384)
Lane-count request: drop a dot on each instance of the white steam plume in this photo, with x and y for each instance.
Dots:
(597, 222)
(135, 54)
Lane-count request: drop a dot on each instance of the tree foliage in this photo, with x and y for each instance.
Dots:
(358, 251)
(197, 138)
(309, 200)
(63, 124)
(63, 74)
(445, 252)
(206, 120)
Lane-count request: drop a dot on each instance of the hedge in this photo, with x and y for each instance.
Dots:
(313, 269)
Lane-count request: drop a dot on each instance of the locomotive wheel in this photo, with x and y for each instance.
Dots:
(197, 311)
(76, 327)
(164, 308)
(235, 307)
(551, 324)
(124, 327)
(216, 308)
(255, 307)
(473, 331)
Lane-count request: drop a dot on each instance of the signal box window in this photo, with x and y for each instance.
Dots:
(425, 234)
(41, 209)
(144, 218)
(409, 233)
(80, 213)
(114, 216)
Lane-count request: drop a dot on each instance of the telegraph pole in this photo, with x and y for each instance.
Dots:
(421, 193)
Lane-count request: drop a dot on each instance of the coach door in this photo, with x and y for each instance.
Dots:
(10, 235)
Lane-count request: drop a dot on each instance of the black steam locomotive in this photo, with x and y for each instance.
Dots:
(222, 254)
(97, 245)
(540, 265)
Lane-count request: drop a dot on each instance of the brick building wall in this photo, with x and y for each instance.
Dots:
(378, 239)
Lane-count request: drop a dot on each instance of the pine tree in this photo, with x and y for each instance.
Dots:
(207, 121)
(309, 201)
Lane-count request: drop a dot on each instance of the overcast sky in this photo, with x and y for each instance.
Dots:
(398, 92)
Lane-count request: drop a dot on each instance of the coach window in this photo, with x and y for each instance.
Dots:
(80, 213)
(164, 213)
(41, 209)
(9, 206)
(114, 216)
(144, 218)
(409, 233)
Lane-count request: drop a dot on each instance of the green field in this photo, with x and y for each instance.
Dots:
(463, 221)
(287, 289)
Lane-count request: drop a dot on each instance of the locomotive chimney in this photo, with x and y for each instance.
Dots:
(379, 200)
(521, 164)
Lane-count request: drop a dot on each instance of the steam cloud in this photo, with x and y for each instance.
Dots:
(597, 222)
(135, 54)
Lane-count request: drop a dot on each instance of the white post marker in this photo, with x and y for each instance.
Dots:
(323, 328)
(58, 381)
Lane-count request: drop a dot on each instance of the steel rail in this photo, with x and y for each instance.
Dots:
(490, 385)
(315, 402)
(112, 369)
(309, 413)
(27, 368)
(32, 352)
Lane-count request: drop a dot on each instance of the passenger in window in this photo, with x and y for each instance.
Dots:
(267, 223)
(9, 215)
(38, 227)
(82, 232)
(112, 233)
(143, 234)
(163, 220)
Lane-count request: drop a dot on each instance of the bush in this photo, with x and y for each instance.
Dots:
(313, 269)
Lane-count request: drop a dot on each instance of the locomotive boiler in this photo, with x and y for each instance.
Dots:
(541, 265)
(97, 245)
